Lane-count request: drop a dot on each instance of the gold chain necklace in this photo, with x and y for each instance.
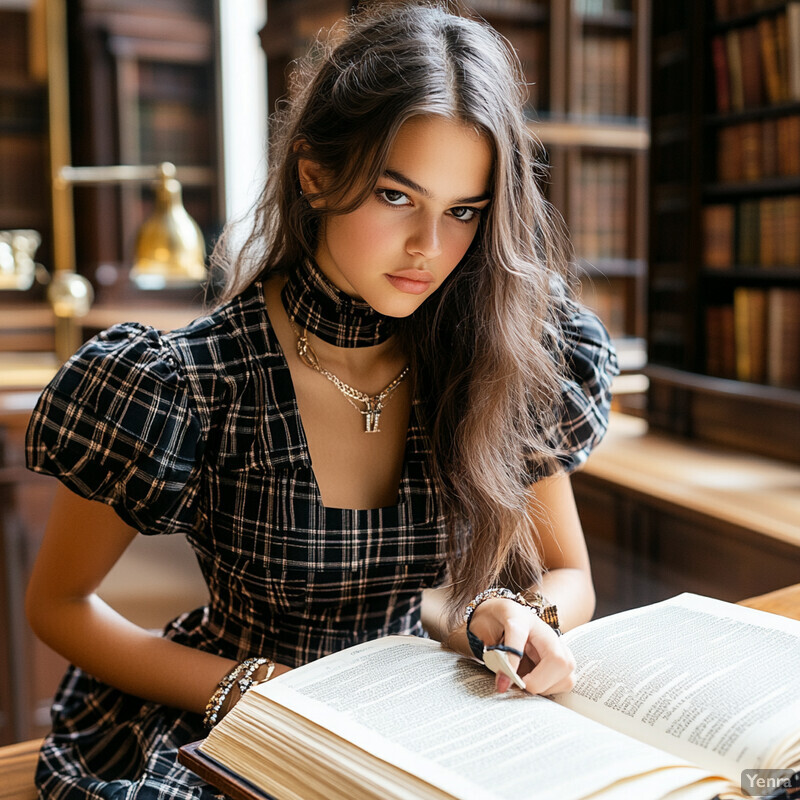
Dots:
(373, 406)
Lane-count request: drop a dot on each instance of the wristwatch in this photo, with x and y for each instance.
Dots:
(545, 610)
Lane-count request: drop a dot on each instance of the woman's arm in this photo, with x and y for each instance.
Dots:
(567, 582)
(83, 540)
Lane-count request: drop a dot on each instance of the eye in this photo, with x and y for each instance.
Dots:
(393, 197)
(465, 213)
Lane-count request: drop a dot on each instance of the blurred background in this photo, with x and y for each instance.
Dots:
(672, 133)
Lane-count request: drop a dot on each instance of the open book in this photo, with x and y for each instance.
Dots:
(687, 698)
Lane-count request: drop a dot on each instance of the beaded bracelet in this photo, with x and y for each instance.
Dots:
(247, 682)
(245, 669)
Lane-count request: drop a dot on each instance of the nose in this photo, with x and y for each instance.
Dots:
(425, 238)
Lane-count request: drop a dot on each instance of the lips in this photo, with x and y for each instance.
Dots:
(411, 281)
(414, 275)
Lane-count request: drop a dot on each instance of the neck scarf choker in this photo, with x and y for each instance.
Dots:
(317, 306)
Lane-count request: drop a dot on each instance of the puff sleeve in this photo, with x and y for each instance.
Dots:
(591, 363)
(118, 424)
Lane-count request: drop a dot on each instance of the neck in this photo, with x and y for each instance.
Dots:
(361, 364)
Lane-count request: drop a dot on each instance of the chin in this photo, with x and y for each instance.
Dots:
(399, 308)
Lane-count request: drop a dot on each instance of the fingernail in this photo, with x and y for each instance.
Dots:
(503, 683)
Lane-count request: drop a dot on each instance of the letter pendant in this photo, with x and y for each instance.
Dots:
(372, 415)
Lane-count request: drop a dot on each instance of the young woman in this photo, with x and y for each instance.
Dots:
(390, 397)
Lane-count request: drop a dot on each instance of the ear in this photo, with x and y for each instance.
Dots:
(310, 175)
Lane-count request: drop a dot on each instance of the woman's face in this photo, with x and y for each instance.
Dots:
(397, 248)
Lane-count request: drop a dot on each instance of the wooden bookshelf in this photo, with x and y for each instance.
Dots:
(143, 90)
(724, 288)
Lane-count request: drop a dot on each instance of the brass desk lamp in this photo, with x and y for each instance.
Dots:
(170, 250)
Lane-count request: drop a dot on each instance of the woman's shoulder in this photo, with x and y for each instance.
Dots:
(118, 423)
(232, 339)
(590, 362)
(135, 373)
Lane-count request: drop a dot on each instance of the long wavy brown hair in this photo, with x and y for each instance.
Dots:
(482, 349)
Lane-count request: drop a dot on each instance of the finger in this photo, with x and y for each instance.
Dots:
(554, 672)
(496, 659)
(515, 635)
(563, 686)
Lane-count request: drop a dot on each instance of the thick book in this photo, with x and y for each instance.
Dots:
(687, 698)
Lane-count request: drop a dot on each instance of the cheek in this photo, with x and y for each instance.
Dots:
(457, 243)
(361, 232)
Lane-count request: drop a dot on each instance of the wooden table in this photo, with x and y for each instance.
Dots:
(664, 515)
(785, 602)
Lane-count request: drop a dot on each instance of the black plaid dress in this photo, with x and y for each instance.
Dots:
(197, 432)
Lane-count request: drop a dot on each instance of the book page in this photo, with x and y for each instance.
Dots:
(712, 682)
(435, 714)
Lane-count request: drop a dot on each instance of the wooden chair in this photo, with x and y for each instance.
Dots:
(17, 766)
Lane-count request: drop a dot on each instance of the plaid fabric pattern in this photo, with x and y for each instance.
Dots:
(197, 432)
(315, 304)
(592, 363)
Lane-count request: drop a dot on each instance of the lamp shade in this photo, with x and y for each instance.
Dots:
(170, 250)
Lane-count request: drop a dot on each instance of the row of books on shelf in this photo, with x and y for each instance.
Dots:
(730, 9)
(759, 64)
(599, 217)
(757, 337)
(751, 151)
(761, 232)
(605, 76)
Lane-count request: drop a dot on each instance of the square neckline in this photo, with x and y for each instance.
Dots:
(413, 430)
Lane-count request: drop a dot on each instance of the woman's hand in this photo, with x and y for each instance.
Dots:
(548, 665)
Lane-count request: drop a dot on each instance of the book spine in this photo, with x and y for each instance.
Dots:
(718, 236)
(751, 151)
(770, 159)
(769, 57)
(782, 47)
(752, 93)
(748, 233)
(719, 55)
(793, 34)
(749, 309)
(734, 54)
(783, 337)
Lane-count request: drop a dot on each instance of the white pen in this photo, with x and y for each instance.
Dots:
(497, 661)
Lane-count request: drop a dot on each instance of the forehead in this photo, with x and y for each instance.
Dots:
(449, 159)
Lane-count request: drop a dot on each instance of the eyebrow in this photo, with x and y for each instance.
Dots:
(415, 187)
